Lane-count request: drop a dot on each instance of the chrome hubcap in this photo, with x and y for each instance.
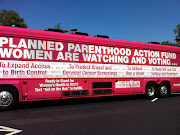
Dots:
(150, 91)
(5, 98)
(163, 90)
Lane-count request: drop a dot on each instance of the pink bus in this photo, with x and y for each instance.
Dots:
(45, 65)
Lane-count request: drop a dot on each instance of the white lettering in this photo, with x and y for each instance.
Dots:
(3, 41)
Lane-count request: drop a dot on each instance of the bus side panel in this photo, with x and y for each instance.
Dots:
(74, 88)
(128, 86)
(43, 89)
(175, 85)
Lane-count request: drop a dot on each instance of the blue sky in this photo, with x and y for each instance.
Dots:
(132, 20)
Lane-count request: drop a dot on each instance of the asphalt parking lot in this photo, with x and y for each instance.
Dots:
(124, 115)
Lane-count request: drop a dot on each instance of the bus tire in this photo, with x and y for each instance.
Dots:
(163, 90)
(151, 90)
(8, 98)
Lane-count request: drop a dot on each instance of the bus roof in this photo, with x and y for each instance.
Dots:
(55, 36)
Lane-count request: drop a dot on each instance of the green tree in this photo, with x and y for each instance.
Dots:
(168, 43)
(8, 17)
(177, 31)
(177, 37)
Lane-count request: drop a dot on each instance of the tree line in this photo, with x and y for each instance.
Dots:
(177, 38)
(8, 17)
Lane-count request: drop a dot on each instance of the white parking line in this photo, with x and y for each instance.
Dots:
(11, 131)
(154, 100)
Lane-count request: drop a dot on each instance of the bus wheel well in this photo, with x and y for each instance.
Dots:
(150, 82)
(168, 83)
(164, 89)
(9, 97)
(151, 89)
(10, 86)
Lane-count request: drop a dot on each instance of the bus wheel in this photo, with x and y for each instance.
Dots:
(8, 98)
(163, 90)
(151, 90)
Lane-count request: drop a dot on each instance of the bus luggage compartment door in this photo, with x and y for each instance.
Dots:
(102, 87)
(128, 86)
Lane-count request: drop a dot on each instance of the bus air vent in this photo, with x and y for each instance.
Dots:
(102, 91)
(102, 36)
(85, 92)
(75, 93)
(154, 42)
(66, 93)
(14, 25)
(54, 30)
(80, 33)
(102, 85)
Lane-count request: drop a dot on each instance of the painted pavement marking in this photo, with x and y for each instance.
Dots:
(11, 131)
(154, 100)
